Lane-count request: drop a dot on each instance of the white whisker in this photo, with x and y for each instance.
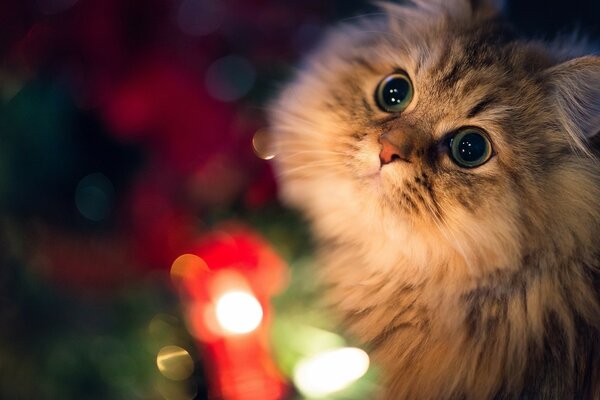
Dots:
(315, 152)
(322, 164)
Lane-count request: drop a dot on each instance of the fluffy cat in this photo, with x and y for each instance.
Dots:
(448, 170)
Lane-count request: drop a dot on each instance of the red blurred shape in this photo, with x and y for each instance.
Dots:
(239, 366)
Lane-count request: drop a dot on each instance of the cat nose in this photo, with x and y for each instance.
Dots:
(392, 151)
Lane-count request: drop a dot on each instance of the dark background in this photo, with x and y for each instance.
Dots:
(547, 18)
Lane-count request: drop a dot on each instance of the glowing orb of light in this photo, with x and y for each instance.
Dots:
(330, 372)
(262, 144)
(238, 312)
(175, 363)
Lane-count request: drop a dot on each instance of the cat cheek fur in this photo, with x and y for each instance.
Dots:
(464, 284)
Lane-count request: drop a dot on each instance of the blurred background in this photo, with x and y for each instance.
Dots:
(143, 252)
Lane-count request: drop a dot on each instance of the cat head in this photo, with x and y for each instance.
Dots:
(432, 128)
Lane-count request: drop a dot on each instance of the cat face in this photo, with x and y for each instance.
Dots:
(433, 123)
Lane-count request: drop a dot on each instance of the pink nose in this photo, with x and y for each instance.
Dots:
(391, 152)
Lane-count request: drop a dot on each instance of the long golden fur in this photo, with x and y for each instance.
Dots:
(477, 283)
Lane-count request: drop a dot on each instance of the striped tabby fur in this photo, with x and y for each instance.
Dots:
(464, 283)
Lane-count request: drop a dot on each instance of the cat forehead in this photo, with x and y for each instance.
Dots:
(457, 45)
(445, 53)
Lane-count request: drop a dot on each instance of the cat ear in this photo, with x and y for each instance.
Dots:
(576, 87)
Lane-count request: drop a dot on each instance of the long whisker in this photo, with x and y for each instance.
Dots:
(315, 152)
(330, 165)
(321, 163)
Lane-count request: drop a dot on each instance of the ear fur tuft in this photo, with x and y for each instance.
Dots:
(575, 85)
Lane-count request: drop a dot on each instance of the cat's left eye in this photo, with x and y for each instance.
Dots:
(470, 148)
(394, 93)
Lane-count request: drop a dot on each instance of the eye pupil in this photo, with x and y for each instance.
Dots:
(397, 90)
(470, 148)
(394, 93)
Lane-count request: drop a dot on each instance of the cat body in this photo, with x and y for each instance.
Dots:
(465, 278)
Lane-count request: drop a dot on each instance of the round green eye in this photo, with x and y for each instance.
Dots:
(394, 93)
(470, 148)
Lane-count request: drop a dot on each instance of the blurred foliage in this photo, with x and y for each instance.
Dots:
(53, 345)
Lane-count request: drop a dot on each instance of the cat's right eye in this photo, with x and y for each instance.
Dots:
(394, 93)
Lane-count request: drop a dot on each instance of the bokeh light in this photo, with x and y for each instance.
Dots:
(329, 372)
(263, 145)
(238, 312)
(94, 197)
(175, 363)
(230, 78)
(187, 266)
